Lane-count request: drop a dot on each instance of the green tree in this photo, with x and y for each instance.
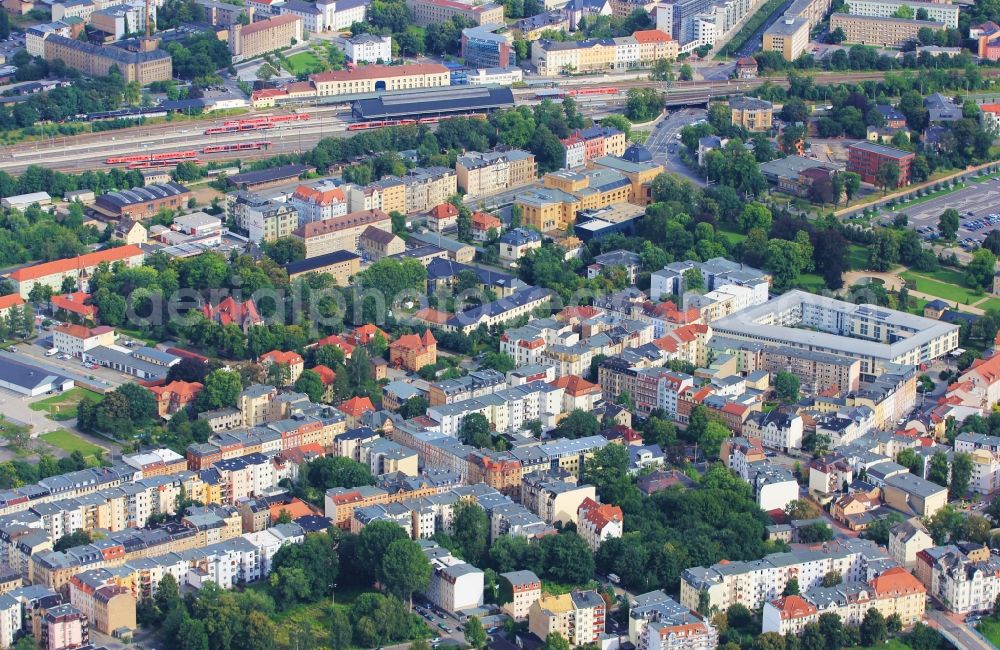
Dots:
(980, 270)
(874, 630)
(852, 184)
(961, 475)
(555, 641)
(414, 407)
(222, 388)
(471, 533)
(938, 470)
(578, 424)
(373, 545)
(786, 261)
(340, 631)
(693, 280)
(948, 223)
(791, 587)
(475, 430)
(329, 472)
(832, 579)
(475, 635)
(786, 386)
(405, 569)
(311, 384)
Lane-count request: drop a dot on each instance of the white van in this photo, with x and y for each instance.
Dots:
(51, 352)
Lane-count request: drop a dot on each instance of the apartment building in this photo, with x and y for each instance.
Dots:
(939, 12)
(963, 584)
(428, 12)
(145, 66)
(120, 20)
(757, 582)
(520, 590)
(641, 49)
(377, 78)
(892, 592)
(319, 201)
(751, 114)
(427, 187)
(340, 233)
(578, 616)
(599, 522)
(455, 585)
(881, 32)
(816, 371)
(255, 39)
(775, 429)
(585, 145)
(483, 174)
(387, 195)
(555, 205)
(789, 35)
(413, 352)
(658, 622)
(514, 244)
(74, 340)
(906, 539)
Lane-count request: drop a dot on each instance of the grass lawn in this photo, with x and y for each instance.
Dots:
(991, 630)
(811, 282)
(302, 62)
(70, 442)
(638, 136)
(732, 236)
(857, 257)
(989, 303)
(943, 284)
(137, 335)
(63, 405)
(891, 644)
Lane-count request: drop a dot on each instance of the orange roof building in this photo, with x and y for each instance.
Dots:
(175, 396)
(336, 341)
(242, 313)
(74, 303)
(10, 301)
(316, 204)
(482, 223)
(326, 374)
(293, 360)
(413, 352)
(364, 334)
(295, 509)
(51, 274)
(792, 613)
(354, 408)
(597, 522)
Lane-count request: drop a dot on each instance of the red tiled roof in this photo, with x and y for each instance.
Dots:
(110, 255)
(413, 341)
(431, 315)
(794, 607)
(575, 385)
(336, 341)
(651, 36)
(74, 303)
(600, 514)
(325, 197)
(326, 374)
(897, 582)
(11, 300)
(443, 211)
(230, 310)
(185, 390)
(356, 406)
(379, 72)
(277, 356)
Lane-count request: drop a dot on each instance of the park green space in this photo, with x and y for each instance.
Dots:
(70, 442)
(62, 406)
(302, 62)
(943, 283)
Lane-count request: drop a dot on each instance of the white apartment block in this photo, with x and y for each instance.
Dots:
(943, 13)
(368, 48)
(756, 582)
(507, 410)
(455, 585)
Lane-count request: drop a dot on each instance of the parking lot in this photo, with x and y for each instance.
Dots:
(975, 203)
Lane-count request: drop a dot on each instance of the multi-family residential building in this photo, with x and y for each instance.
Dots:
(598, 522)
(428, 12)
(892, 592)
(755, 583)
(941, 12)
(555, 500)
(519, 590)
(515, 243)
(906, 539)
(658, 622)
(263, 219)
(578, 616)
(482, 174)
(427, 187)
(455, 585)
(789, 35)
(387, 195)
(775, 429)
(881, 32)
(716, 273)
(53, 274)
(318, 201)
(144, 66)
(255, 39)
(341, 233)
(965, 585)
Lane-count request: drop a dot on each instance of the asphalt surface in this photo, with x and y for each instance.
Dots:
(756, 41)
(957, 632)
(981, 199)
(665, 146)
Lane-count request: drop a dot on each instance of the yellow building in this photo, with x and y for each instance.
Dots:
(790, 36)
(554, 206)
(248, 41)
(378, 78)
(146, 66)
(342, 265)
(428, 12)
(881, 32)
(750, 113)
(387, 195)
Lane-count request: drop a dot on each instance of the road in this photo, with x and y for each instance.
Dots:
(756, 40)
(665, 146)
(957, 632)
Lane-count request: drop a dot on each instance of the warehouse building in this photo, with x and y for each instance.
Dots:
(30, 380)
(143, 202)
